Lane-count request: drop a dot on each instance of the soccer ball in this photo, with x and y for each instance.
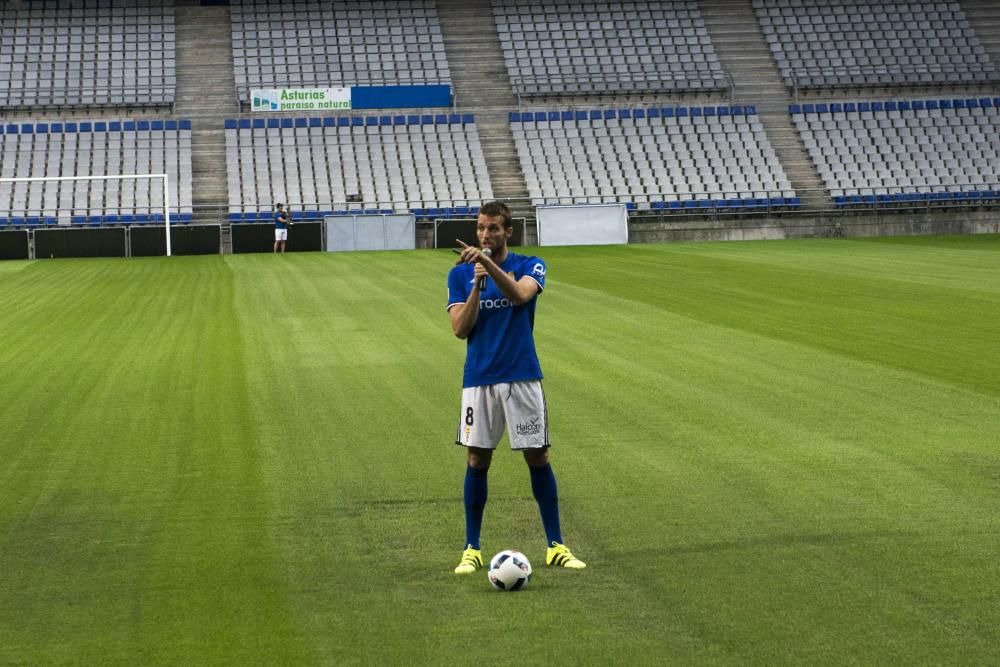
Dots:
(509, 571)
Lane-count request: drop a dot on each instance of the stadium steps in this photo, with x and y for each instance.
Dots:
(482, 87)
(984, 17)
(743, 53)
(206, 93)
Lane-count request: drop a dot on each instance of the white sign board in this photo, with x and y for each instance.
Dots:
(586, 224)
(371, 232)
(300, 99)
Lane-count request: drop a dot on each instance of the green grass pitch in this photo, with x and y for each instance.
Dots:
(767, 452)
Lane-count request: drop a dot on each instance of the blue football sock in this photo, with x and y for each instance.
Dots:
(476, 491)
(543, 485)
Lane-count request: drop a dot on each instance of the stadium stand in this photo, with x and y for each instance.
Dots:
(582, 47)
(87, 53)
(94, 148)
(652, 159)
(905, 152)
(383, 42)
(431, 164)
(857, 43)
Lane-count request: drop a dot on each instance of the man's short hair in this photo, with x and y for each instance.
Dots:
(278, 205)
(495, 208)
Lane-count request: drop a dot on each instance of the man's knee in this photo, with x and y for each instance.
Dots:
(480, 458)
(536, 457)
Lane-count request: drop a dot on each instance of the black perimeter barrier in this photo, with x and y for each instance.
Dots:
(98, 242)
(257, 237)
(187, 240)
(465, 230)
(14, 244)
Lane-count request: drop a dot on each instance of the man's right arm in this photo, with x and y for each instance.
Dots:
(464, 315)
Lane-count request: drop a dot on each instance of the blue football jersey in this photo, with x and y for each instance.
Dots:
(501, 345)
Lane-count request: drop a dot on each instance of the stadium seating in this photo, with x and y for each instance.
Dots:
(384, 42)
(836, 43)
(652, 159)
(90, 54)
(905, 152)
(585, 47)
(431, 164)
(94, 148)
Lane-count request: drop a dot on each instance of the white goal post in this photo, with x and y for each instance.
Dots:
(115, 177)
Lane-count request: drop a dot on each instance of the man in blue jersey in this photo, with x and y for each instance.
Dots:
(282, 219)
(491, 301)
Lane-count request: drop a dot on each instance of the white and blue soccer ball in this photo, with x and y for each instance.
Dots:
(509, 571)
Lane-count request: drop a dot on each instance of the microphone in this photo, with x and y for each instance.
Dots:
(482, 281)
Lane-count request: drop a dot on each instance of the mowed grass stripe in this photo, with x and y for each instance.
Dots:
(136, 493)
(868, 312)
(752, 475)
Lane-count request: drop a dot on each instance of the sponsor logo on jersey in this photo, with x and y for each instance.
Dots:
(538, 269)
(494, 304)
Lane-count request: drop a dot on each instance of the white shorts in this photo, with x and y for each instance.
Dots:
(486, 410)
(280, 234)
